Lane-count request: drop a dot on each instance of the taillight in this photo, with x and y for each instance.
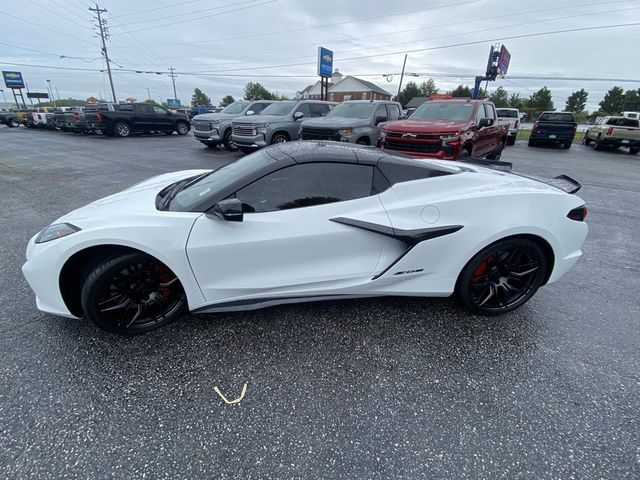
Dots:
(574, 128)
(517, 124)
(578, 214)
(75, 116)
(98, 116)
(609, 130)
(536, 126)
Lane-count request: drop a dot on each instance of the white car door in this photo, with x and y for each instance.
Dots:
(289, 245)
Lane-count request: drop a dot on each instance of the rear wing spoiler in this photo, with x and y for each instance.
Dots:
(494, 164)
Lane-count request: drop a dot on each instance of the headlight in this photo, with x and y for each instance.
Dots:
(214, 122)
(346, 131)
(57, 230)
(262, 125)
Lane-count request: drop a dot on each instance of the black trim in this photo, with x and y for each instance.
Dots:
(410, 237)
(257, 301)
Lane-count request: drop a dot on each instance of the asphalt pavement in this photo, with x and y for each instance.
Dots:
(363, 389)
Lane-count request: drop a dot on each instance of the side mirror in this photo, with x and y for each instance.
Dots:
(251, 112)
(485, 122)
(229, 210)
(379, 120)
(298, 115)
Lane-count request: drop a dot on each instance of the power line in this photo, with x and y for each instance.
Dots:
(147, 10)
(44, 28)
(101, 25)
(75, 22)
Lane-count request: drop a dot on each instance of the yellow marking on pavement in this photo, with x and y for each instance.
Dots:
(231, 402)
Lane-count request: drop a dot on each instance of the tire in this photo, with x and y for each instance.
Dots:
(502, 277)
(228, 142)
(363, 141)
(246, 149)
(511, 141)
(464, 153)
(598, 145)
(531, 143)
(209, 144)
(13, 123)
(279, 138)
(566, 146)
(586, 140)
(122, 129)
(131, 294)
(182, 128)
(634, 150)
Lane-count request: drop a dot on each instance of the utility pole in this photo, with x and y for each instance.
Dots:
(402, 75)
(148, 93)
(102, 25)
(173, 79)
(50, 90)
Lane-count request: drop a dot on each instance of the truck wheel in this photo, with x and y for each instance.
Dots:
(497, 153)
(634, 150)
(532, 143)
(586, 140)
(566, 146)
(182, 128)
(279, 138)
(228, 142)
(363, 141)
(246, 150)
(511, 141)
(13, 123)
(598, 145)
(464, 153)
(122, 129)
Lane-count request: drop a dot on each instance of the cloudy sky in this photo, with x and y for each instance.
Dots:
(219, 45)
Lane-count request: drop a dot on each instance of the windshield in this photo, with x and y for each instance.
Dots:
(352, 110)
(210, 184)
(459, 111)
(279, 108)
(236, 107)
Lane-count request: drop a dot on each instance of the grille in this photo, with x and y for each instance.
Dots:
(412, 146)
(395, 135)
(319, 134)
(202, 126)
(246, 130)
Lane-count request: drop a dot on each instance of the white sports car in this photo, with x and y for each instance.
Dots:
(307, 221)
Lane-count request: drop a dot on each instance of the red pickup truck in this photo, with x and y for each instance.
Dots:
(448, 130)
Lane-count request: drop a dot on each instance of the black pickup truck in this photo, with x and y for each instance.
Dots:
(10, 119)
(557, 128)
(126, 119)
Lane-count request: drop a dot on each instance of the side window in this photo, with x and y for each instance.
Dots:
(146, 109)
(489, 112)
(394, 111)
(479, 114)
(304, 108)
(381, 111)
(258, 107)
(306, 185)
(319, 109)
(159, 110)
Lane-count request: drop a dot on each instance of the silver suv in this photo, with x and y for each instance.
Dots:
(278, 123)
(214, 129)
(355, 121)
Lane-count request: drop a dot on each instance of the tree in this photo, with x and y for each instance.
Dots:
(461, 91)
(631, 101)
(613, 101)
(515, 101)
(500, 97)
(255, 91)
(408, 92)
(199, 98)
(540, 101)
(151, 101)
(577, 101)
(226, 100)
(428, 88)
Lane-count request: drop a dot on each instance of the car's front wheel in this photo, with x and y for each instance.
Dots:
(502, 277)
(228, 142)
(131, 293)
(182, 128)
(279, 138)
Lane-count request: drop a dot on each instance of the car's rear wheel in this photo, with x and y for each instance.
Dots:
(502, 277)
(131, 293)
(586, 140)
(122, 129)
(182, 128)
(228, 142)
(511, 140)
(598, 145)
(634, 150)
(14, 123)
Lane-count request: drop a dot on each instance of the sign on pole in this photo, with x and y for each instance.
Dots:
(173, 102)
(503, 60)
(13, 79)
(325, 62)
(37, 95)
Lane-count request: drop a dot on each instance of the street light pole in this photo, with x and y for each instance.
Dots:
(51, 93)
(148, 93)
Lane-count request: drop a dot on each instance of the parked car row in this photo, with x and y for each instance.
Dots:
(111, 119)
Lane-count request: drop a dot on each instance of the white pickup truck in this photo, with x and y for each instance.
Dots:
(511, 118)
(614, 132)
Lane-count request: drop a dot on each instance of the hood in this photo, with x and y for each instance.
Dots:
(335, 122)
(207, 117)
(426, 126)
(252, 119)
(134, 201)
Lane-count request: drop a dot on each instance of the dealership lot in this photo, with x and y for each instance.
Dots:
(375, 388)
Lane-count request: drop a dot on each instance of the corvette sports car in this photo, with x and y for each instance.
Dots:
(307, 221)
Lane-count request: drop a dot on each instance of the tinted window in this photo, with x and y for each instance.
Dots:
(235, 107)
(306, 185)
(258, 107)
(381, 111)
(352, 110)
(279, 108)
(144, 108)
(305, 109)
(159, 110)
(394, 111)
(556, 117)
(460, 111)
(319, 109)
(623, 122)
(505, 112)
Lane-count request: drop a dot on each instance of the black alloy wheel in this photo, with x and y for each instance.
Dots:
(182, 128)
(122, 129)
(634, 150)
(132, 293)
(502, 277)
(14, 123)
(228, 142)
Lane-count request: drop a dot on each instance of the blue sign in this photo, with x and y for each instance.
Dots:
(13, 79)
(503, 60)
(325, 62)
(173, 102)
